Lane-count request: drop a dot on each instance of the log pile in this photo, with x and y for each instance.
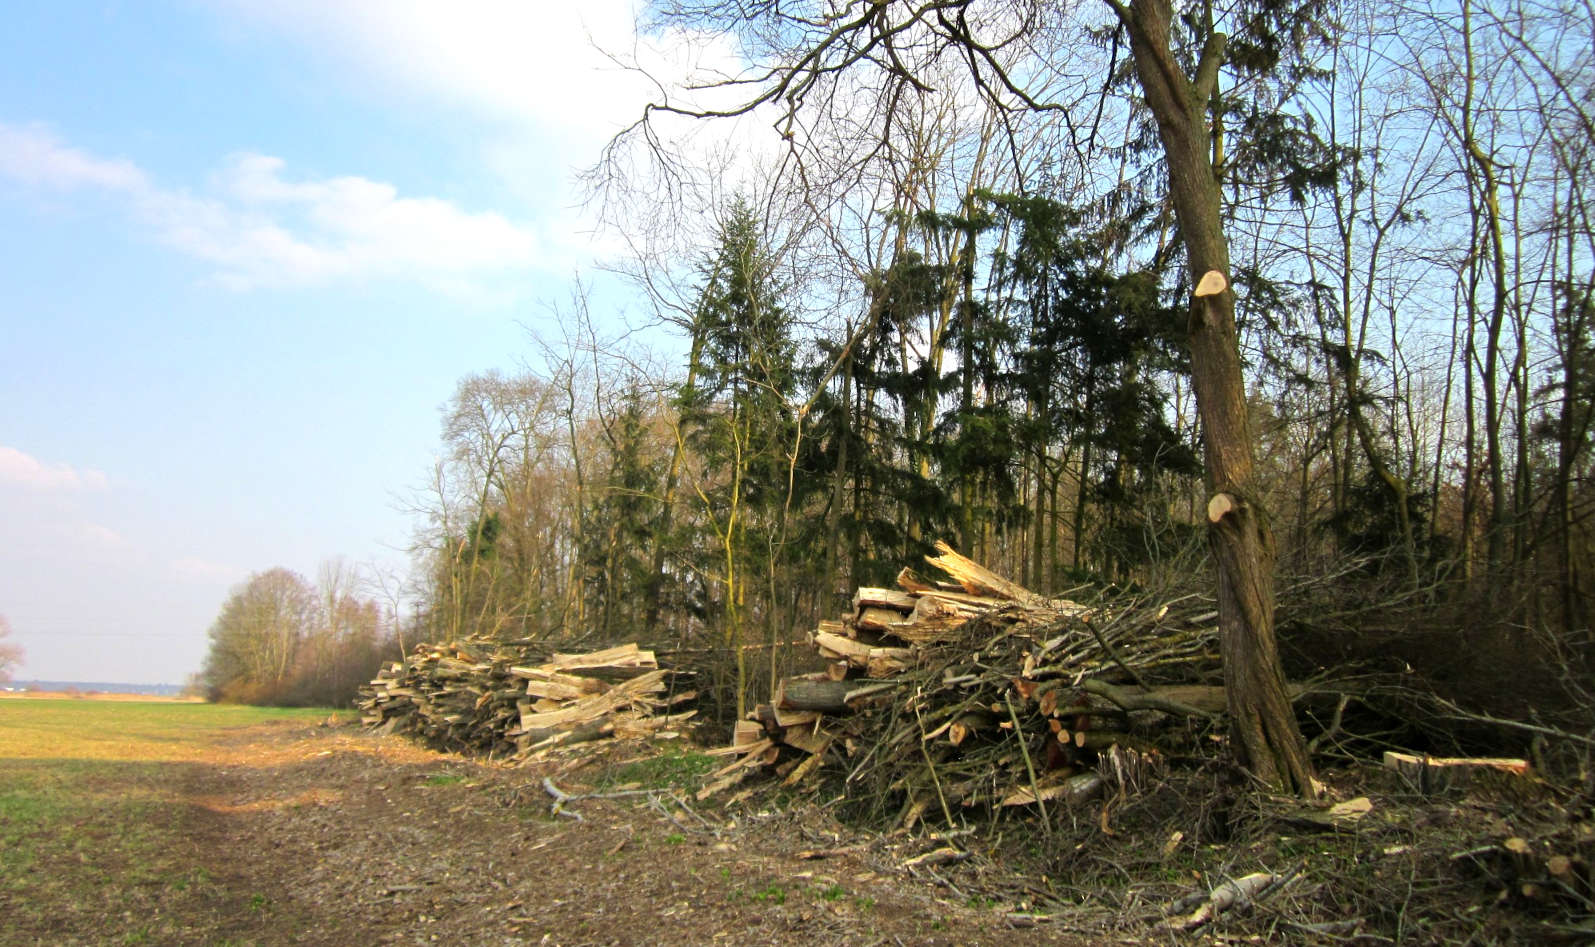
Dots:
(973, 691)
(500, 699)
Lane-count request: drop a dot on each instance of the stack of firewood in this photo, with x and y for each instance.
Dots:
(975, 691)
(495, 698)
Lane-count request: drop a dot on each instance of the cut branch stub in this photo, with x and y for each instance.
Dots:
(1211, 284)
(1221, 505)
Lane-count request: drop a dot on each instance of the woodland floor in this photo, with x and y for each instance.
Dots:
(303, 833)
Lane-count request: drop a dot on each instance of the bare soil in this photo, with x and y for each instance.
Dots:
(317, 834)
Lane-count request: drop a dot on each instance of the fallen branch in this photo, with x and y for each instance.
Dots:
(1232, 894)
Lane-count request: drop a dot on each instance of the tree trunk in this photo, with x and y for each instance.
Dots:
(1263, 726)
(654, 592)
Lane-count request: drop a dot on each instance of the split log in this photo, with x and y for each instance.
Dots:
(876, 662)
(977, 579)
(1432, 773)
(883, 598)
(543, 737)
(872, 618)
(626, 655)
(808, 739)
(1073, 790)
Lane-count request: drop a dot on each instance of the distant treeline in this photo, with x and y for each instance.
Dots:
(284, 641)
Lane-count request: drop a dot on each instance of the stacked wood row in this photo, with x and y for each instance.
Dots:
(973, 691)
(506, 700)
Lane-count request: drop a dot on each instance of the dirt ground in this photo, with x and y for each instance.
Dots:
(316, 834)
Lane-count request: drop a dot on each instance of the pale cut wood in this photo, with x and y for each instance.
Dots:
(482, 696)
(1435, 772)
(630, 725)
(555, 691)
(598, 705)
(625, 655)
(946, 855)
(977, 579)
(933, 606)
(734, 773)
(541, 738)
(804, 769)
(742, 749)
(878, 662)
(1220, 506)
(1073, 789)
(1211, 284)
(963, 602)
(883, 598)
(910, 581)
(878, 619)
(1235, 893)
(808, 739)
(794, 718)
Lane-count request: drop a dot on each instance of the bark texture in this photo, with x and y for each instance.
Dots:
(1263, 726)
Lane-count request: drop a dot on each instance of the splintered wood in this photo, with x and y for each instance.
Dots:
(493, 698)
(973, 690)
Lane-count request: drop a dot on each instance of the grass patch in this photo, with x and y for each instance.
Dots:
(95, 834)
(142, 731)
(674, 768)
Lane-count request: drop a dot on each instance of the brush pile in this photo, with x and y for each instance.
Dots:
(976, 692)
(499, 699)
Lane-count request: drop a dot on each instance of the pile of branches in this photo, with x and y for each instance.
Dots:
(972, 691)
(513, 699)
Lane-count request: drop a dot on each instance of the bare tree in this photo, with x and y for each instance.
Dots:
(255, 640)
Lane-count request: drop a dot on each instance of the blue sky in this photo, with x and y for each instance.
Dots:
(247, 249)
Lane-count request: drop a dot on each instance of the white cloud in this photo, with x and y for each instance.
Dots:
(27, 470)
(263, 227)
(554, 81)
(544, 64)
(544, 79)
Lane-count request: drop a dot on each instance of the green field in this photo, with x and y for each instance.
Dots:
(99, 838)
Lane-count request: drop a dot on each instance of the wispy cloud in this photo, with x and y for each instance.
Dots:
(26, 470)
(95, 536)
(203, 570)
(31, 155)
(261, 226)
